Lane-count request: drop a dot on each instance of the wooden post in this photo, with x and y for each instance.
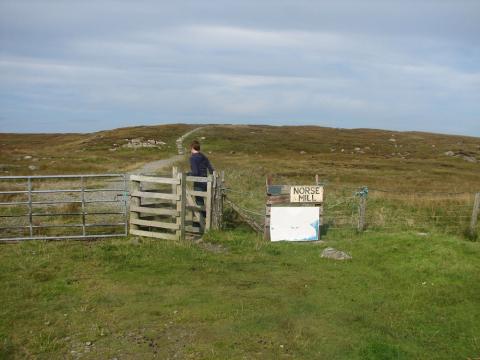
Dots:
(266, 228)
(134, 202)
(208, 204)
(221, 199)
(215, 201)
(361, 212)
(30, 206)
(126, 203)
(475, 211)
(84, 231)
(181, 205)
(174, 176)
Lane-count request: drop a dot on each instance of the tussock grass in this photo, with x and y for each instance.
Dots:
(401, 174)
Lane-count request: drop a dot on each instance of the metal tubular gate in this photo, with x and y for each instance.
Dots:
(9, 209)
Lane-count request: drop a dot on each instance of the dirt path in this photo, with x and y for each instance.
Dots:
(156, 166)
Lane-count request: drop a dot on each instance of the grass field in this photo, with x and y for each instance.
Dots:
(403, 296)
(410, 292)
(412, 182)
(100, 152)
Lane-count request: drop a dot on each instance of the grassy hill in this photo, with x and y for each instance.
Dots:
(400, 160)
(410, 291)
(98, 152)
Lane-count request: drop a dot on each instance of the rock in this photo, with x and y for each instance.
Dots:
(331, 253)
(27, 157)
(32, 167)
(469, 158)
(88, 343)
(303, 152)
(232, 152)
(203, 138)
(392, 140)
(357, 149)
(139, 143)
(450, 153)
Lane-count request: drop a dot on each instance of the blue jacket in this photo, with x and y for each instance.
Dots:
(200, 165)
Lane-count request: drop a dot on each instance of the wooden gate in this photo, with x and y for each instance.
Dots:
(170, 208)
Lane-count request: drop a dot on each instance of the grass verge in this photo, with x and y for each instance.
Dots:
(402, 296)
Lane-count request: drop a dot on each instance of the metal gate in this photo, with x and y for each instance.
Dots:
(63, 207)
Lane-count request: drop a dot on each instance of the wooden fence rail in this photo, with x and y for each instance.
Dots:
(171, 208)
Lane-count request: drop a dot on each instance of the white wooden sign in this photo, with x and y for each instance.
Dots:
(294, 223)
(306, 194)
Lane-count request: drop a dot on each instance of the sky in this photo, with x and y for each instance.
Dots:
(81, 66)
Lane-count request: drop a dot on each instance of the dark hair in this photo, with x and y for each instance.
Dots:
(195, 145)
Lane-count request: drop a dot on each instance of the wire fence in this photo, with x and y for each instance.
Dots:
(449, 212)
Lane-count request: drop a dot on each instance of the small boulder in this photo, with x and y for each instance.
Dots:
(27, 157)
(331, 253)
(32, 167)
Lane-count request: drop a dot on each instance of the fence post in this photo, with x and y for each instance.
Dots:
(82, 180)
(362, 208)
(221, 196)
(475, 211)
(30, 206)
(208, 204)
(266, 222)
(181, 189)
(217, 206)
(134, 202)
(215, 201)
(126, 202)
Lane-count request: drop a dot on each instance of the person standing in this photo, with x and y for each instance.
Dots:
(199, 166)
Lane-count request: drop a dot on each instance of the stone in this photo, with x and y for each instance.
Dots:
(392, 140)
(27, 157)
(331, 253)
(449, 153)
(469, 158)
(32, 167)
(303, 152)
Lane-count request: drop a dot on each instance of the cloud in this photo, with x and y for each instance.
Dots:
(408, 65)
